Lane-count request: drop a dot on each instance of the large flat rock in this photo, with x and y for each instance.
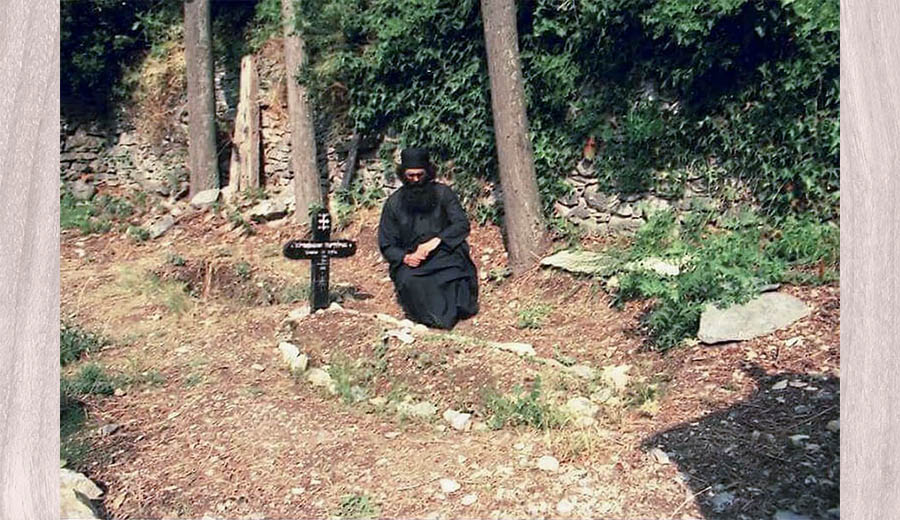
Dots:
(767, 313)
(580, 262)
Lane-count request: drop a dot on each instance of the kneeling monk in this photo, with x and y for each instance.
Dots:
(422, 235)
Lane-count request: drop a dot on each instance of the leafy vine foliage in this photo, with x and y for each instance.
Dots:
(671, 89)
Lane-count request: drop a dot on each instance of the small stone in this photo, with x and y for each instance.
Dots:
(159, 228)
(521, 349)
(548, 463)
(579, 407)
(401, 334)
(119, 392)
(582, 371)
(109, 429)
(833, 426)
(469, 499)
(319, 377)
(392, 435)
(335, 307)
(781, 385)
(564, 507)
(616, 376)
(449, 485)
(298, 491)
(257, 367)
(299, 314)
(423, 410)
(722, 501)
(797, 440)
(660, 456)
(797, 384)
(457, 420)
(205, 198)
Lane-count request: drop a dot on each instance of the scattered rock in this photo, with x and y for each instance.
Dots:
(75, 493)
(392, 435)
(267, 210)
(299, 314)
(616, 376)
(580, 407)
(521, 349)
(335, 307)
(580, 262)
(659, 456)
(656, 265)
(582, 371)
(763, 315)
(319, 377)
(81, 190)
(797, 440)
(722, 501)
(469, 499)
(109, 429)
(257, 367)
(624, 225)
(781, 385)
(402, 334)
(159, 228)
(205, 198)
(119, 392)
(295, 361)
(449, 485)
(548, 463)
(564, 507)
(423, 410)
(459, 421)
(833, 426)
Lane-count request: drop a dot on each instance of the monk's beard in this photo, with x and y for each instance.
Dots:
(420, 197)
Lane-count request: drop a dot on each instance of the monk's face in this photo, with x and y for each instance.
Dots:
(415, 175)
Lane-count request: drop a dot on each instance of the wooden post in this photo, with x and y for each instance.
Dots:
(245, 155)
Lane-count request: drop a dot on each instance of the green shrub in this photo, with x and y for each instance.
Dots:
(138, 234)
(73, 342)
(805, 241)
(533, 316)
(521, 408)
(91, 379)
(356, 506)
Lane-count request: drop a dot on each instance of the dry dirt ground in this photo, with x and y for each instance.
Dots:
(204, 432)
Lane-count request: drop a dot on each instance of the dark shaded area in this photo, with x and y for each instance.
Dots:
(742, 463)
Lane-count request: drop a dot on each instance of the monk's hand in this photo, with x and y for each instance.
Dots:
(425, 248)
(411, 260)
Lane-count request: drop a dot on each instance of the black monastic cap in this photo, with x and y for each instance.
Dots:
(414, 158)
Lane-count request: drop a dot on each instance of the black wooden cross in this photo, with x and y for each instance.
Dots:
(320, 249)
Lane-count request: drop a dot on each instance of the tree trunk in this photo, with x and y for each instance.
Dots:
(245, 158)
(307, 191)
(526, 239)
(201, 102)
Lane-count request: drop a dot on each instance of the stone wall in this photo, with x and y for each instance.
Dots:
(116, 153)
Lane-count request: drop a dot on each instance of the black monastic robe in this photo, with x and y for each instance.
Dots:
(443, 288)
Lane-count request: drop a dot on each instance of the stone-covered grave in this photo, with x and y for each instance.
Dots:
(383, 364)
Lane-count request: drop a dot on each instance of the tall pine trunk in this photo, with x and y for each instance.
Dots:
(307, 191)
(202, 159)
(525, 235)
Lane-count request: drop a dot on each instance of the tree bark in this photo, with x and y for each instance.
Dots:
(245, 158)
(307, 191)
(526, 238)
(202, 159)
